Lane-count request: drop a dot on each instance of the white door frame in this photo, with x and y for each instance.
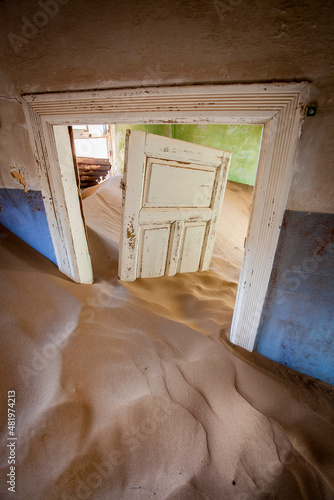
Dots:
(278, 107)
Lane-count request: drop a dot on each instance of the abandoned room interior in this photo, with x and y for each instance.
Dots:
(167, 249)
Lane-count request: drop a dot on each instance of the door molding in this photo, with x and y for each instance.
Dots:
(278, 107)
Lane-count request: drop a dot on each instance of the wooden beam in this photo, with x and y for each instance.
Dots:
(93, 161)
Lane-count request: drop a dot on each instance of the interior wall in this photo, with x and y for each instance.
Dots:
(21, 201)
(59, 45)
(297, 323)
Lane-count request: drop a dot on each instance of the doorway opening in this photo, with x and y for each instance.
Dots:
(99, 151)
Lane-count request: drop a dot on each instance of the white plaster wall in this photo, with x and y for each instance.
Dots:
(89, 44)
(16, 154)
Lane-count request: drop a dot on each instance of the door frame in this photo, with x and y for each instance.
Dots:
(279, 107)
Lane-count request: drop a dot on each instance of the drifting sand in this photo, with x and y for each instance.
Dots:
(132, 391)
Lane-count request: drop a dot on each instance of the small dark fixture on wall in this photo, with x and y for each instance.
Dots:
(311, 110)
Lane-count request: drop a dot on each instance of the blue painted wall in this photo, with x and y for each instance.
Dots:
(24, 215)
(297, 325)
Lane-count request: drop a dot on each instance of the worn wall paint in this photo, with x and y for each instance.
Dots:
(16, 152)
(297, 325)
(18, 176)
(145, 42)
(242, 140)
(23, 213)
(312, 187)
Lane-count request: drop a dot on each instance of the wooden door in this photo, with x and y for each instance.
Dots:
(172, 197)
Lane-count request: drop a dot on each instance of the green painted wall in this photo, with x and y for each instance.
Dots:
(242, 140)
(120, 131)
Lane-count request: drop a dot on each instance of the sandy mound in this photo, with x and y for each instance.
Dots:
(132, 391)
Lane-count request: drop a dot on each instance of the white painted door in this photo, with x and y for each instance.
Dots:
(172, 197)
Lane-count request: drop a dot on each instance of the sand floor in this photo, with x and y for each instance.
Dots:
(133, 391)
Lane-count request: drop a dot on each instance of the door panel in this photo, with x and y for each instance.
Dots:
(154, 247)
(192, 247)
(172, 198)
(176, 238)
(172, 185)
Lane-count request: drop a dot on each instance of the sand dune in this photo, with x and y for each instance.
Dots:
(133, 391)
